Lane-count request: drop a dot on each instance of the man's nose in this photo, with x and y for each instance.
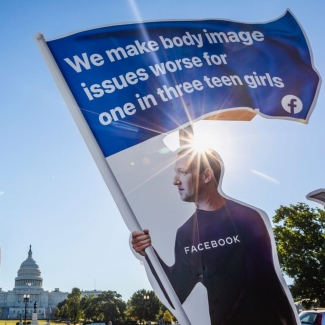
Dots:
(176, 180)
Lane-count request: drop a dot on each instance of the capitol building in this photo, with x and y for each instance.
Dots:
(29, 282)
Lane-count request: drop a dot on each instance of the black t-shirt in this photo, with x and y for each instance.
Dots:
(229, 252)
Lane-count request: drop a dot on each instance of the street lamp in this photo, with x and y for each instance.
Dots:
(26, 300)
(146, 300)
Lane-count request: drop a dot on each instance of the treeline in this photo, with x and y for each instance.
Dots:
(108, 306)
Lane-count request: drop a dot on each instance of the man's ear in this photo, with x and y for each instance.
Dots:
(208, 175)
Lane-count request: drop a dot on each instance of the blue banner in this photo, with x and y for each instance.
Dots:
(135, 81)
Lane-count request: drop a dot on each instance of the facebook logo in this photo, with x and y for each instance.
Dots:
(292, 104)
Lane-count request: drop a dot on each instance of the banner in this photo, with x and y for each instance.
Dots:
(127, 87)
(135, 81)
(317, 196)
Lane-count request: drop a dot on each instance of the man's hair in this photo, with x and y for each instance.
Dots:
(203, 160)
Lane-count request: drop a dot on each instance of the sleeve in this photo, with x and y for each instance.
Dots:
(264, 282)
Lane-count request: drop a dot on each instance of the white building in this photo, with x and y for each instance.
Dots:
(30, 282)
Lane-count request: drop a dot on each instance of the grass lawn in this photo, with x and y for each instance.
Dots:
(40, 322)
(13, 321)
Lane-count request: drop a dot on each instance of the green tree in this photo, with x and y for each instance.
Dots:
(109, 306)
(62, 308)
(167, 317)
(64, 312)
(57, 312)
(73, 303)
(300, 237)
(89, 307)
(140, 309)
(162, 312)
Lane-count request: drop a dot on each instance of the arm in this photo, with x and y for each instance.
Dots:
(183, 278)
(265, 278)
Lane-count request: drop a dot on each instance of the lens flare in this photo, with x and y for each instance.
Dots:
(201, 141)
(199, 145)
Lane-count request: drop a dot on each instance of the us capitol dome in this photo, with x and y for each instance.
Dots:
(29, 282)
(29, 274)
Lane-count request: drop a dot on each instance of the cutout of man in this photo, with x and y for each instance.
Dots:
(225, 246)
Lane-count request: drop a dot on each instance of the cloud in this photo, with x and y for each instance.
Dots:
(268, 178)
(1, 193)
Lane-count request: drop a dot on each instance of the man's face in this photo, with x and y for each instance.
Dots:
(186, 178)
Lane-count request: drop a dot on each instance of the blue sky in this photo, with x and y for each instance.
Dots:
(51, 193)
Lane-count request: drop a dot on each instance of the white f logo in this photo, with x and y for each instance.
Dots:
(292, 104)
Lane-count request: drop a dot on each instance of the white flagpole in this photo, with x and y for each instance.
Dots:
(105, 170)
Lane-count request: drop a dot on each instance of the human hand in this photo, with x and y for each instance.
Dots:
(140, 241)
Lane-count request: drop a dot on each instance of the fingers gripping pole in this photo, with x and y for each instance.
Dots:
(105, 170)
